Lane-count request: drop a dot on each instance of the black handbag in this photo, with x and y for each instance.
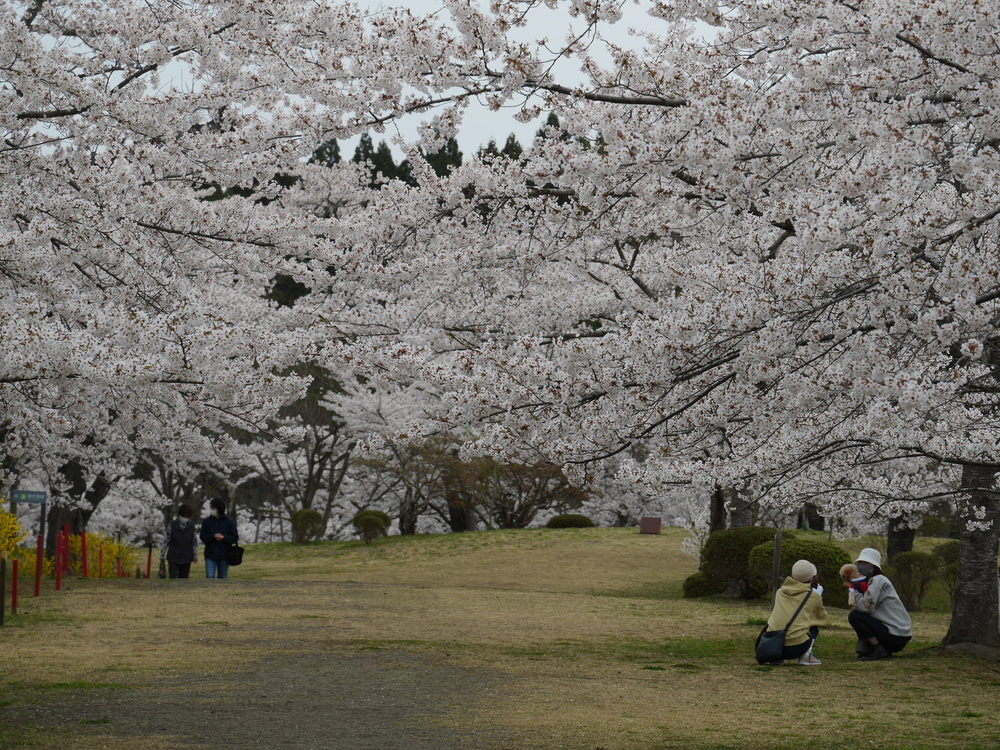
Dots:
(234, 555)
(770, 644)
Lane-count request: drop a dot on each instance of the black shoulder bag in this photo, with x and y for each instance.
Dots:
(771, 644)
(234, 555)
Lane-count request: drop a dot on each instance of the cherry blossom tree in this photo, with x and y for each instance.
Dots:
(773, 254)
(764, 245)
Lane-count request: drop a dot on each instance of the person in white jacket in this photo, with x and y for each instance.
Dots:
(880, 619)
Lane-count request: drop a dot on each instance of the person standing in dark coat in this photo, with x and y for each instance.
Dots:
(218, 533)
(180, 543)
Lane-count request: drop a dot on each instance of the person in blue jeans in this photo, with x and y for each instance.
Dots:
(218, 534)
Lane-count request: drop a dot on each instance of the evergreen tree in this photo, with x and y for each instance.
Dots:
(512, 148)
(445, 159)
(490, 150)
(327, 153)
(383, 164)
(552, 121)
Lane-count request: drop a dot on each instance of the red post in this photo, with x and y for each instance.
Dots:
(83, 553)
(118, 562)
(100, 561)
(149, 562)
(39, 560)
(66, 549)
(3, 584)
(59, 562)
(13, 591)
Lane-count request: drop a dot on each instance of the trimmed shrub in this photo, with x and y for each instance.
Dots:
(724, 559)
(307, 525)
(372, 523)
(697, 585)
(940, 522)
(826, 556)
(947, 558)
(912, 573)
(569, 521)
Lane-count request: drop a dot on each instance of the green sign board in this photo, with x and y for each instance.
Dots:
(28, 496)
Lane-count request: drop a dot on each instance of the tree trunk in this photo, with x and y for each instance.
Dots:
(86, 501)
(408, 514)
(975, 625)
(898, 538)
(742, 509)
(717, 511)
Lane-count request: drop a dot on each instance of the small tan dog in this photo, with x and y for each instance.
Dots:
(855, 583)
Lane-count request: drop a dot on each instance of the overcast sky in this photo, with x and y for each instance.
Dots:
(480, 124)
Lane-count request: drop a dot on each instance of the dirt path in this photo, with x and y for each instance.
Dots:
(330, 701)
(284, 668)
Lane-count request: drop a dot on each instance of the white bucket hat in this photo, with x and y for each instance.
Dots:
(803, 571)
(870, 555)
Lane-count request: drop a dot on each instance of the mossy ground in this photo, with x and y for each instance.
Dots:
(531, 640)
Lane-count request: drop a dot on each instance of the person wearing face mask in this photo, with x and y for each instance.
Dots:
(880, 619)
(180, 543)
(218, 532)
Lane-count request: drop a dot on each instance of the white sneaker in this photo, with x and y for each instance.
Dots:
(808, 660)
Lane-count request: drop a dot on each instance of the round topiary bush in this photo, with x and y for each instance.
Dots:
(307, 525)
(372, 523)
(912, 573)
(570, 521)
(724, 559)
(697, 585)
(947, 557)
(826, 556)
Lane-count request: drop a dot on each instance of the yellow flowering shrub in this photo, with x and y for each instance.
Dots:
(11, 536)
(113, 551)
(26, 563)
(11, 532)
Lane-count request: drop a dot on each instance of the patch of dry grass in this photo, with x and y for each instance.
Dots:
(582, 635)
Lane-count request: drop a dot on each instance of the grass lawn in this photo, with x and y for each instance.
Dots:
(508, 640)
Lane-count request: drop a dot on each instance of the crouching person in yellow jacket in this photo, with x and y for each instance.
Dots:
(802, 634)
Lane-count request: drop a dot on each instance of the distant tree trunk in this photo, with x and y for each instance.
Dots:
(717, 511)
(408, 514)
(975, 624)
(336, 473)
(742, 509)
(899, 538)
(86, 501)
(811, 519)
(460, 516)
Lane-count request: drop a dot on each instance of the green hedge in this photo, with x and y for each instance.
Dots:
(826, 556)
(307, 524)
(912, 573)
(372, 523)
(697, 585)
(725, 555)
(570, 521)
(947, 556)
